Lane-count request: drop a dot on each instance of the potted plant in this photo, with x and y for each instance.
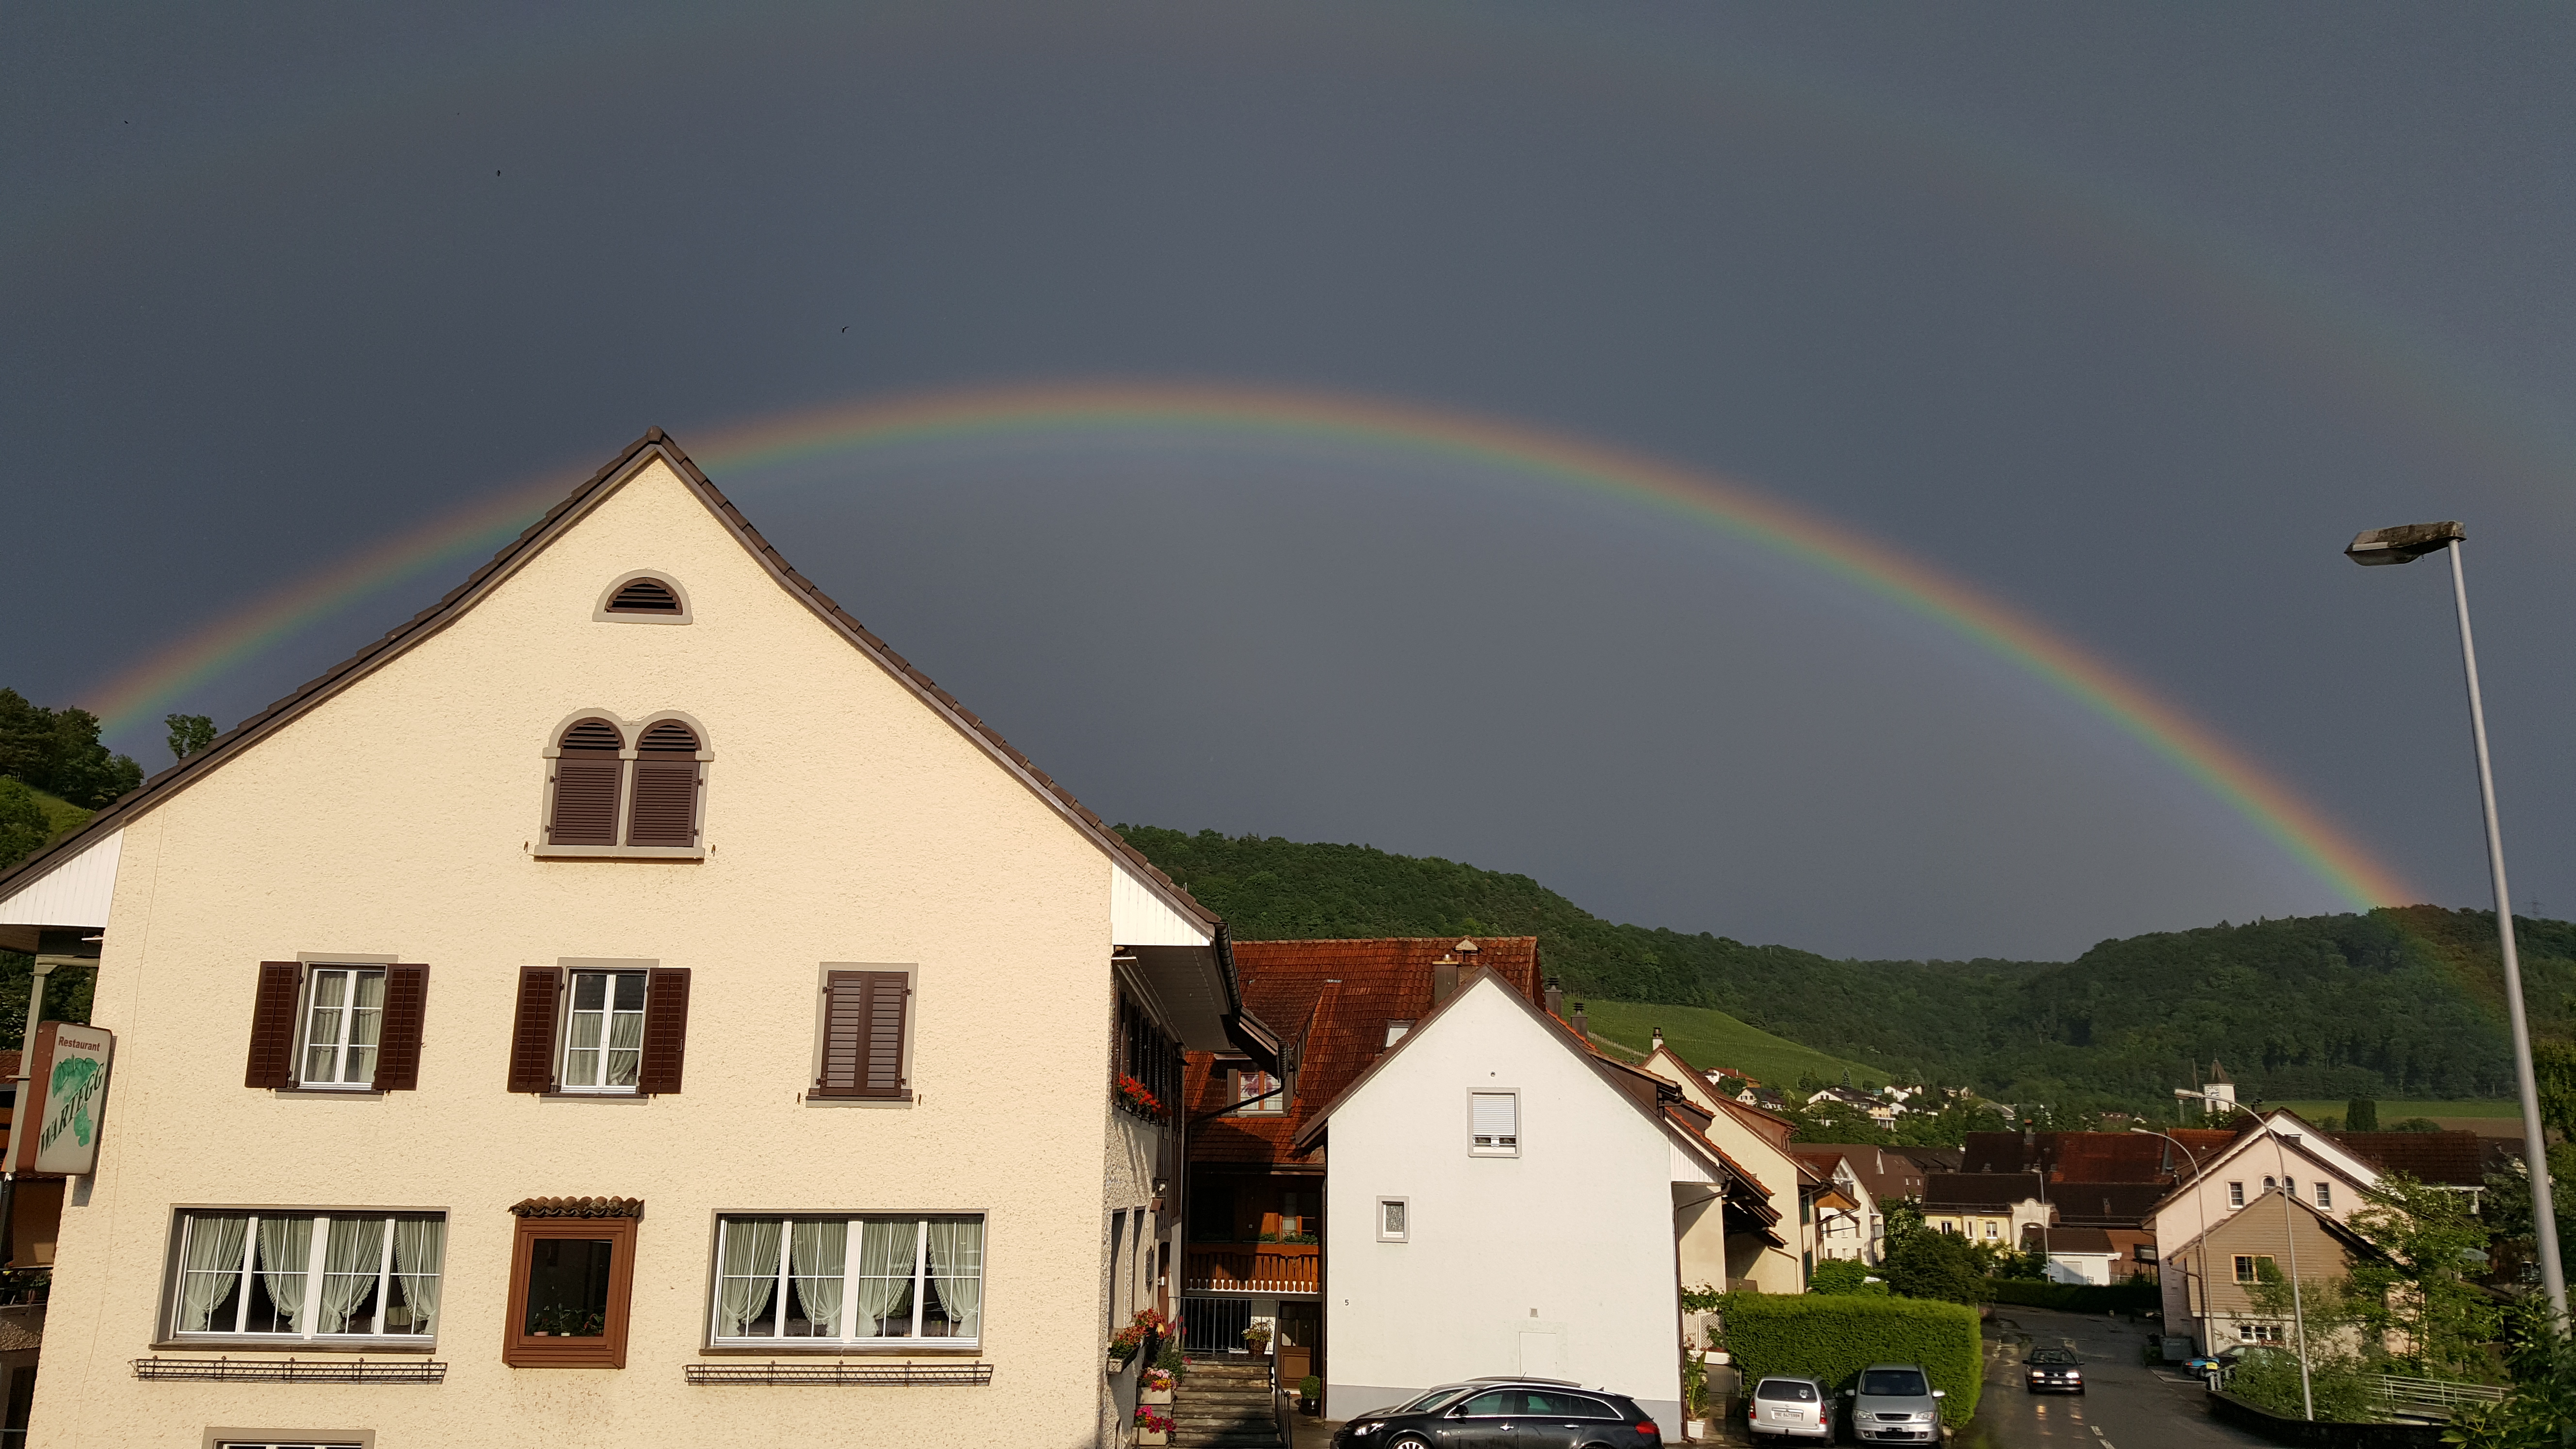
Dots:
(1153, 1424)
(1694, 1396)
(1127, 1342)
(1310, 1395)
(1157, 1386)
(1256, 1339)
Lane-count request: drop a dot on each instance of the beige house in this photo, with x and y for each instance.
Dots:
(625, 1004)
(1765, 1256)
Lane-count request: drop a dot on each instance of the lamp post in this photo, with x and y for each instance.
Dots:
(2282, 1142)
(2201, 1206)
(2404, 544)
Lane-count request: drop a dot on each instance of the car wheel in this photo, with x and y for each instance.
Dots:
(1408, 1441)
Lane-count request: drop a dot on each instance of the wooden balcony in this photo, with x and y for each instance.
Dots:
(1253, 1268)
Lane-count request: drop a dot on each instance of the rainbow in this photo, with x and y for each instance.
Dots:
(1068, 410)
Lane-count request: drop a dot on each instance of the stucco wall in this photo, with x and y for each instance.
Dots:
(1574, 1237)
(1771, 1269)
(843, 822)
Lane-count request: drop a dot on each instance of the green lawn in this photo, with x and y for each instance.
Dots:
(2392, 1111)
(62, 815)
(1710, 1040)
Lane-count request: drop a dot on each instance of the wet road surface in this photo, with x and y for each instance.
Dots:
(2126, 1405)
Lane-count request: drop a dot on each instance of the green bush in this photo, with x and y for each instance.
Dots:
(2135, 1296)
(1845, 1275)
(1834, 1337)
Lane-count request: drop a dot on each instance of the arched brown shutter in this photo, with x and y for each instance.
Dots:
(644, 596)
(532, 1035)
(666, 1030)
(272, 1025)
(398, 1035)
(666, 787)
(586, 774)
(864, 1018)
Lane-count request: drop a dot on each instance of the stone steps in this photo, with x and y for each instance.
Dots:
(1220, 1405)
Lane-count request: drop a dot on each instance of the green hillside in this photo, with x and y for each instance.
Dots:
(1713, 1041)
(2395, 1003)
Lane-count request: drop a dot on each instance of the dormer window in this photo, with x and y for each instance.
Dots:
(643, 598)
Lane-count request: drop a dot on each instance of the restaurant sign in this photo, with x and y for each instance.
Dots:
(55, 1128)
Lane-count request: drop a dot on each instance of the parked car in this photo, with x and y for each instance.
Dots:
(2055, 1371)
(1789, 1406)
(1894, 1403)
(1506, 1413)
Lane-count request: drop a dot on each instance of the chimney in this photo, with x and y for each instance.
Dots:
(1659, 1040)
(1555, 997)
(1580, 1029)
(1444, 979)
(1465, 948)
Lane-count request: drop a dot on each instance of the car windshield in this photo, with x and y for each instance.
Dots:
(1893, 1383)
(2053, 1355)
(1425, 1403)
(1795, 1390)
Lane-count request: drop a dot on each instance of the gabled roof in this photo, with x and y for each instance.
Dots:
(2106, 1204)
(2080, 1240)
(1335, 999)
(1979, 1191)
(655, 444)
(2450, 1159)
(2271, 1131)
(1640, 1090)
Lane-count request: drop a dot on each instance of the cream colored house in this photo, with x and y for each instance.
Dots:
(627, 1004)
(1764, 1256)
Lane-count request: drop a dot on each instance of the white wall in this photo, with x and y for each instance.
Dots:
(1559, 1261)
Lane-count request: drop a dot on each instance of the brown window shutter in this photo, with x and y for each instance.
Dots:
(398, 1031)
(272, 1025)
(864, 1018)
(532, 1036)
(666, 787)
(586, 773)
(666, 1031)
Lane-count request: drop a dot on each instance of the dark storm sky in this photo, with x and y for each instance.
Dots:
(2129, 318)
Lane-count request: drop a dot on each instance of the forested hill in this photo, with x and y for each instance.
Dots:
(2403, 1002)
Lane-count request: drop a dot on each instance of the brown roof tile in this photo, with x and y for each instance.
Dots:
(1955, 1190)
(2453, 1159)
(1333, 999)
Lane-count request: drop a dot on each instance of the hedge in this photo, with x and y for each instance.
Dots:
(1833, 1337)
(2134, 1296)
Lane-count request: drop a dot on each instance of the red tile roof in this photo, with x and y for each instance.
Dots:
(1332, 999)
(2454, 1159)
(2091, 1156)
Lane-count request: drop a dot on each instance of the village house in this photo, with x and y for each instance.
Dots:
(2199, 1236)
(1613, 1195)
(1847, 1219)
(609, 1009)
(1769, 1252)
(1255, 1204)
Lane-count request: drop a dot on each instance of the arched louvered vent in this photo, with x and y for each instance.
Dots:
(645, 596)
(586, 779)
(666, 786)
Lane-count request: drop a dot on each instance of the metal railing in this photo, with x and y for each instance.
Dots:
(1214, 1325)
(2428, 1398)
(897, 1374)
(293, 1370)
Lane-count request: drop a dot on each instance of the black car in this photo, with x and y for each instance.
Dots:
(1505, 1414)
(2055, 1371)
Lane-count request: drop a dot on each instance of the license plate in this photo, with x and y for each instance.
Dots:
(1785, 1414)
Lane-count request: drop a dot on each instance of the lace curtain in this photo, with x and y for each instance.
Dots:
(884, 1286)
(420, 1247)
(816, 1258)
(957, 1269)
(213, 1266)
(351, 1258)
(285, 1250)
(750, 1273)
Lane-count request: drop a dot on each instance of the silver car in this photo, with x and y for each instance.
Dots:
(1790, 1406)
(1895, 1403)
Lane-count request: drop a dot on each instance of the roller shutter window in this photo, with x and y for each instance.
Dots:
(398, 1038)
(865, 1016)
(1496, 1124)
(666, 1031)
(532, 1034)
(272, 1025)
(586, 777)
(645, 596)
(666, 787)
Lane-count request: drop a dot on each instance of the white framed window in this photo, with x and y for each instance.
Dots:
(344, 1014)
(603, 1048)
(1394, 1220)
(2325, 1194)
(2259, 1332)
(2252, 1267)
(1993, 1232)
(307, 1275)
(831, 1281)
(1259, 1094)
(2269, 1184)
(1395, 1031)
(1494, 1124)
(2236, 1194)
(333, 1441)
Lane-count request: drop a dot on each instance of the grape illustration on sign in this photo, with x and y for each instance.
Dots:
(70, 1085)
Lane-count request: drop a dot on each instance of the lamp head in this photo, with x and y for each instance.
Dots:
(2403, 544)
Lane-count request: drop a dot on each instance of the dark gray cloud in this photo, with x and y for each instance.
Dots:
(2129, 319)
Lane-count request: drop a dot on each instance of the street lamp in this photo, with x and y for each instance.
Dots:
(2282, 1142)
(2202, 1205)
(2405, 544)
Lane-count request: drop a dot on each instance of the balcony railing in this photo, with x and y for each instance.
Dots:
(1253, 1268)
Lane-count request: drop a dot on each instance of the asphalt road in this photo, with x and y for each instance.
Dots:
(2126, 1405)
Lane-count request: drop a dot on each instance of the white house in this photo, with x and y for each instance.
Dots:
(1847, 1222)
(1500, 1199)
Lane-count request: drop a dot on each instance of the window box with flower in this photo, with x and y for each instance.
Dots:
(1153, 1425)
(1134, 1096)
(1149, 1323)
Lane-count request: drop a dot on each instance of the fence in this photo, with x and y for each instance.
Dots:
(2428, 1398)
(1253, 1268)
(1214, 1325)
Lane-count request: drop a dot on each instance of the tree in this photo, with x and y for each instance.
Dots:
(2339, 1349)
(1845, 1277)
(1922, 1263)
(189, 733)
(57, 751)
(23, 823)
(2361, 1114)
(2423, 1289)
